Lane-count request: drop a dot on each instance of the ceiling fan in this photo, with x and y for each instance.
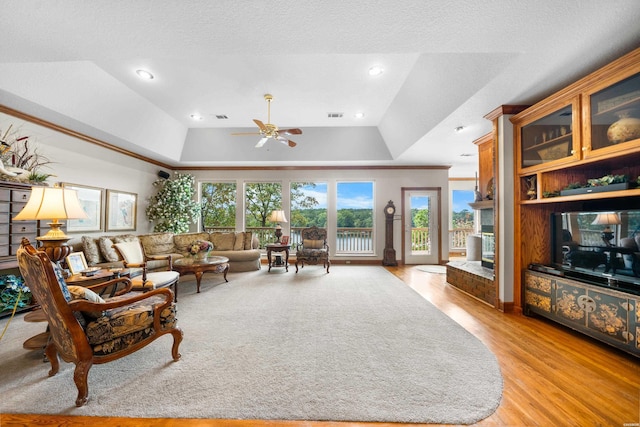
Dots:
(271, 131)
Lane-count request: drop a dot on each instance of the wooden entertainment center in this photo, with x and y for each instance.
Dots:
(571, 137)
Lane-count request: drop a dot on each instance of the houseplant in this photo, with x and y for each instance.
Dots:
(173, 208)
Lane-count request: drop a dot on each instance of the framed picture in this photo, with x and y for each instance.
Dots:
(121, 210)
(76, 262)
(91, 201)
(284, 240)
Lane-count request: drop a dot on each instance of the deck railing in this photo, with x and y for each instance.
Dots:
(357, 240)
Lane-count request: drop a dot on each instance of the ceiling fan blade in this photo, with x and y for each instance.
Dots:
(286, 141)
(261, 125)
(294, 131)
(261, 142)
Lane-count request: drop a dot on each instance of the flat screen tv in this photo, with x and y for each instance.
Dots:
(601, 247)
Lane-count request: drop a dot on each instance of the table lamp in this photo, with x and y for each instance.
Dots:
(277, 216)
(607, 219)
(52, 203)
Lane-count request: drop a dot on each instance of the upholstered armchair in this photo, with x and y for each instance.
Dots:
(313, 249)
(91, 330)
(133, 256)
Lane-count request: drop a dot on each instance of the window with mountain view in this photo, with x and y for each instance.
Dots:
(308, 207)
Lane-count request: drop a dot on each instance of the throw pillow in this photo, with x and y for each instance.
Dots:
(78, 292)
(91, 250)
(238, 244)
(247, 239)
(108, 252)
(65, 292)
(313, 244)
(223, 241)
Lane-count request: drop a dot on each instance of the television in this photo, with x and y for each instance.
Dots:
(598, 247)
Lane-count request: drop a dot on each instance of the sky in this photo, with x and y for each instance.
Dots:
(351, 195)
(461, 200)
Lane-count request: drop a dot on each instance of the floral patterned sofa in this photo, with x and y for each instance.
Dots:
(240, 247)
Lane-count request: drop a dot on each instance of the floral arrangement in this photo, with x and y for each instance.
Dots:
(12, 290)
(200, 246)
(173, 207)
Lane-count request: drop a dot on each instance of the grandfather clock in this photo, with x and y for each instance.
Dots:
(389, 257)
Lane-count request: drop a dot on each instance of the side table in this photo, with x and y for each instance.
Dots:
(278, 247)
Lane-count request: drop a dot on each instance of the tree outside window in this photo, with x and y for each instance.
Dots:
(218, 200)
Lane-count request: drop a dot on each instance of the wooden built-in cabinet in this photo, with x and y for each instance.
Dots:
(568, 138)
(13, 197)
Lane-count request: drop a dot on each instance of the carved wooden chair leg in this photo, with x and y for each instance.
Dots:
(177, 339)
(80, 376)
(52, 354)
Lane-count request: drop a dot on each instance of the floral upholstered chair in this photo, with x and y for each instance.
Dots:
(89, 329)
(314, 248)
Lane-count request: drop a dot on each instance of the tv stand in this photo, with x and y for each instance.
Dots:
(601, 312)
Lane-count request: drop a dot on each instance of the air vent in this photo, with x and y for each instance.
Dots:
(335, 115)
(467, 155)
(221, 116)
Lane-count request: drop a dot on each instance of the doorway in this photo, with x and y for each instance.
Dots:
(421, 226)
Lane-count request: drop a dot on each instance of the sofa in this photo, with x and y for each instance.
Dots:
(240, 247)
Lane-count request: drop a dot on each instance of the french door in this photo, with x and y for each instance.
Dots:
(421, 225)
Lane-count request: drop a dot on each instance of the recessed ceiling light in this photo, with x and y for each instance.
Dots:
(144, 74)
(376, 70)
(459, 129)
(196, 117)
(359, 115)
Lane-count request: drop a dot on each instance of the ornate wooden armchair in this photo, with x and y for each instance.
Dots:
(91, 330)
(314, 248)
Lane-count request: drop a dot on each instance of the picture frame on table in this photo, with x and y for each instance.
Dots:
(91, 200)
(76, 262)
(121, 211)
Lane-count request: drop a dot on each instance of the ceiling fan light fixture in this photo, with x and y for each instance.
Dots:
(144, 74)
(376, 70)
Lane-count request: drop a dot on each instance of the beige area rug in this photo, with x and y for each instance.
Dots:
(353, 345)
(438, 269)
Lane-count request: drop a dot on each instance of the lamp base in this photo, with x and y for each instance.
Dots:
(56, 250)
(278, 234)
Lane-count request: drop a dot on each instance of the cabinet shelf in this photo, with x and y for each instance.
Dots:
(630, 104)
(563, 138)
(587, 196)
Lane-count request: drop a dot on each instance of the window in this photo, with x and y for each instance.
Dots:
(308, 207)
(462, 224)
(355, 217)
(218, 206)
(261, 198)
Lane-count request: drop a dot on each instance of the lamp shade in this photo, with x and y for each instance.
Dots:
(277, 216)
(52, 203)
(606, 218)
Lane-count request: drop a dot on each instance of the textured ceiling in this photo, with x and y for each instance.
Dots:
(447, 64)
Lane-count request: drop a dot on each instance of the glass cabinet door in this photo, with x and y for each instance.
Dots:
(548, 139)
(614, 115)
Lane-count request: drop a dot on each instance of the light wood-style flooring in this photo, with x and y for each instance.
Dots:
(552, 375)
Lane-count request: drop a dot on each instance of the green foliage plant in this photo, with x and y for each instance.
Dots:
(173, 207)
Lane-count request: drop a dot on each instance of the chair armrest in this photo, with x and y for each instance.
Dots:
(167, 257)
(113, 282)
(84, 305)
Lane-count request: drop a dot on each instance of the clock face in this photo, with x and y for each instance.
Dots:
(390, 210)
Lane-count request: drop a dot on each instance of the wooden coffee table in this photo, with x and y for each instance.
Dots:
(197, 267)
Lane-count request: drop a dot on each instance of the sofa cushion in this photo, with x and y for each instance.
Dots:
(238, 243)
(157, 243)
(222, 241)
(79, 292)
(92, 250)
(247, 239)
(184, 241)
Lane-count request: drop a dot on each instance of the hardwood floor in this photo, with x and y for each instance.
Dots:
(552, 375)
